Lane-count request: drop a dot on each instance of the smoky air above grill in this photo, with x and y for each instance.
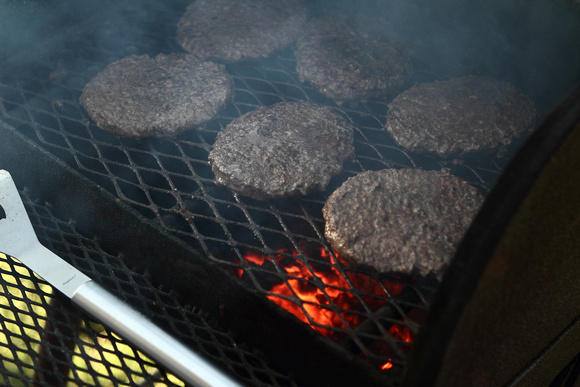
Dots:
(252, 284)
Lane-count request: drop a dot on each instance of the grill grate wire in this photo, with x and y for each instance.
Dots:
(97, 356)
(169, 181)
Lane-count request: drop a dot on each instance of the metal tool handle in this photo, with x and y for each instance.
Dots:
(134, 327)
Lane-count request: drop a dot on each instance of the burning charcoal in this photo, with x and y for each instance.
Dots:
(406, 221)
(459, 116)
(239, 30)
(281, 150)
(140, 96)
(351, 58)
(313, 292)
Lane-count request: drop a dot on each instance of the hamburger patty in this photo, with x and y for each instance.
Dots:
(239, 30)
(400, 220)
(351, 58)
(459, 116)
(140, 96)
(282, 150)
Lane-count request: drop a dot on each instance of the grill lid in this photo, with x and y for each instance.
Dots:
(511, 292)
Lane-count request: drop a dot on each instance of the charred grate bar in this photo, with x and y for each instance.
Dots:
(275, 247)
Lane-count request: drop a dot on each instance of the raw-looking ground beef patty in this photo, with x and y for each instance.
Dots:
(351, 58)
(140, 96)
(459, 116)
(400, 220)
(283, 150)
(240, 30)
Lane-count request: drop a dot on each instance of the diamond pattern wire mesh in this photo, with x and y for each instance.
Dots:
(169, 181)
(95, 355)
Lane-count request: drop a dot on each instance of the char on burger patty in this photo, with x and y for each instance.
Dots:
(140, 96)
(400, 220)
(283, 150)
(239, 30)
(458, 116)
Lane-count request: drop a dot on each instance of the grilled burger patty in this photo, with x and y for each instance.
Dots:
(351, 58)
(282, 150)
(459, 116)
(140, 96)
(400, 220)
(239, 30)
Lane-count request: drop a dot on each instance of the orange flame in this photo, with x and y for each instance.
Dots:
(387, 366)
(320, 288)
(398, 332)
(321, 295)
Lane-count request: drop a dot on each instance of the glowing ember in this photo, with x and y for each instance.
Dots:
(401, 333)
(326, 295)
(327, 299)
(387, 366)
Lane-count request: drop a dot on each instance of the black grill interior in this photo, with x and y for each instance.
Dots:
(169, 182)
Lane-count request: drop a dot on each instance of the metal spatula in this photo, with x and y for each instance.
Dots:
(18, 239)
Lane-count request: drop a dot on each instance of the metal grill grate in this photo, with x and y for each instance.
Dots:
(75, 350)
(169, 181)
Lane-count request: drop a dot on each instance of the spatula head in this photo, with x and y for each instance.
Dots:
(16, 232)
(18, 239)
